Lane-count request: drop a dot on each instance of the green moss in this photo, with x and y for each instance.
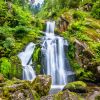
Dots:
(37, 59)
(96, 10)
(67, 95)
(77, 86)
(97, 98)
(5, 67)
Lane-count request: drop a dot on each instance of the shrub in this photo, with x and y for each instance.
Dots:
(8, 43)
(74, 3)
(79, 15)
(5, 67)
(76, 27)
(21, 31)
(96, 10)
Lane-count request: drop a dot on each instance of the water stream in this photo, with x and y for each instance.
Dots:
(26, 60)
(54, 60)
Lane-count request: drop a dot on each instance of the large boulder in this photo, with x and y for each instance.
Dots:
(18, 90)
(42, 84)
(77, 86)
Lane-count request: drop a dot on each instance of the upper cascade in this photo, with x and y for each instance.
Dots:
(50, 27)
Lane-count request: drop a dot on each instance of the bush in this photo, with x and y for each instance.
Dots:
(76, 27)
(21, 31)
(74, 3)
(79, 15)
(8, 43)
(96, 10)
(5, 67)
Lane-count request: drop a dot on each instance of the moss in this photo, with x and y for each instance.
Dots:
(97, 98)
(67, 95)
(77, 86)
(16, 67)
(37, 59)
(41, 85)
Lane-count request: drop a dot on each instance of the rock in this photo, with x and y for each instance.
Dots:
(49, 97)
(42, 84)
(1, 78)
(62, 24)
(77, 86)
(18, 90)
(85, 57)
(98, 69)
(95, 95)
(63, 95)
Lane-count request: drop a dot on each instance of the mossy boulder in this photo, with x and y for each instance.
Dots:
(63, 95)
(18, 90)
(77, 86)
(42, 84)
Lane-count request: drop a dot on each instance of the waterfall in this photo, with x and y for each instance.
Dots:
(55, 63)
(26, 60)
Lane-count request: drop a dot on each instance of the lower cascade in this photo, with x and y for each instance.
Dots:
(26, 59)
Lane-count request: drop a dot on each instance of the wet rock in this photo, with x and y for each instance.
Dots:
(42, 84)
(78, 87)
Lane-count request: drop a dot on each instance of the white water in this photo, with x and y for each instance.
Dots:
(26, 59)
(53, 49)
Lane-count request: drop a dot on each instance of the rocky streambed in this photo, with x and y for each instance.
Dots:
(39, 88)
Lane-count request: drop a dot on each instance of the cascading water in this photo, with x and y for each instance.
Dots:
(26, 59)
(54, 60)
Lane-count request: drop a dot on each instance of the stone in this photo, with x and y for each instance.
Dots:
(63, 95)
(77, 86)
(93, 95)
(62, 24)
(42, 84)
(18, 90)
(98, 69)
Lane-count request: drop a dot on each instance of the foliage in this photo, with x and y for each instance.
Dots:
(15, 25)
(76, 27)
(79, 15)
(9, 42)
(74, 3)
(96, 10)
(21, 31)
(5, 67)
(85, 75)
(37, 59)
